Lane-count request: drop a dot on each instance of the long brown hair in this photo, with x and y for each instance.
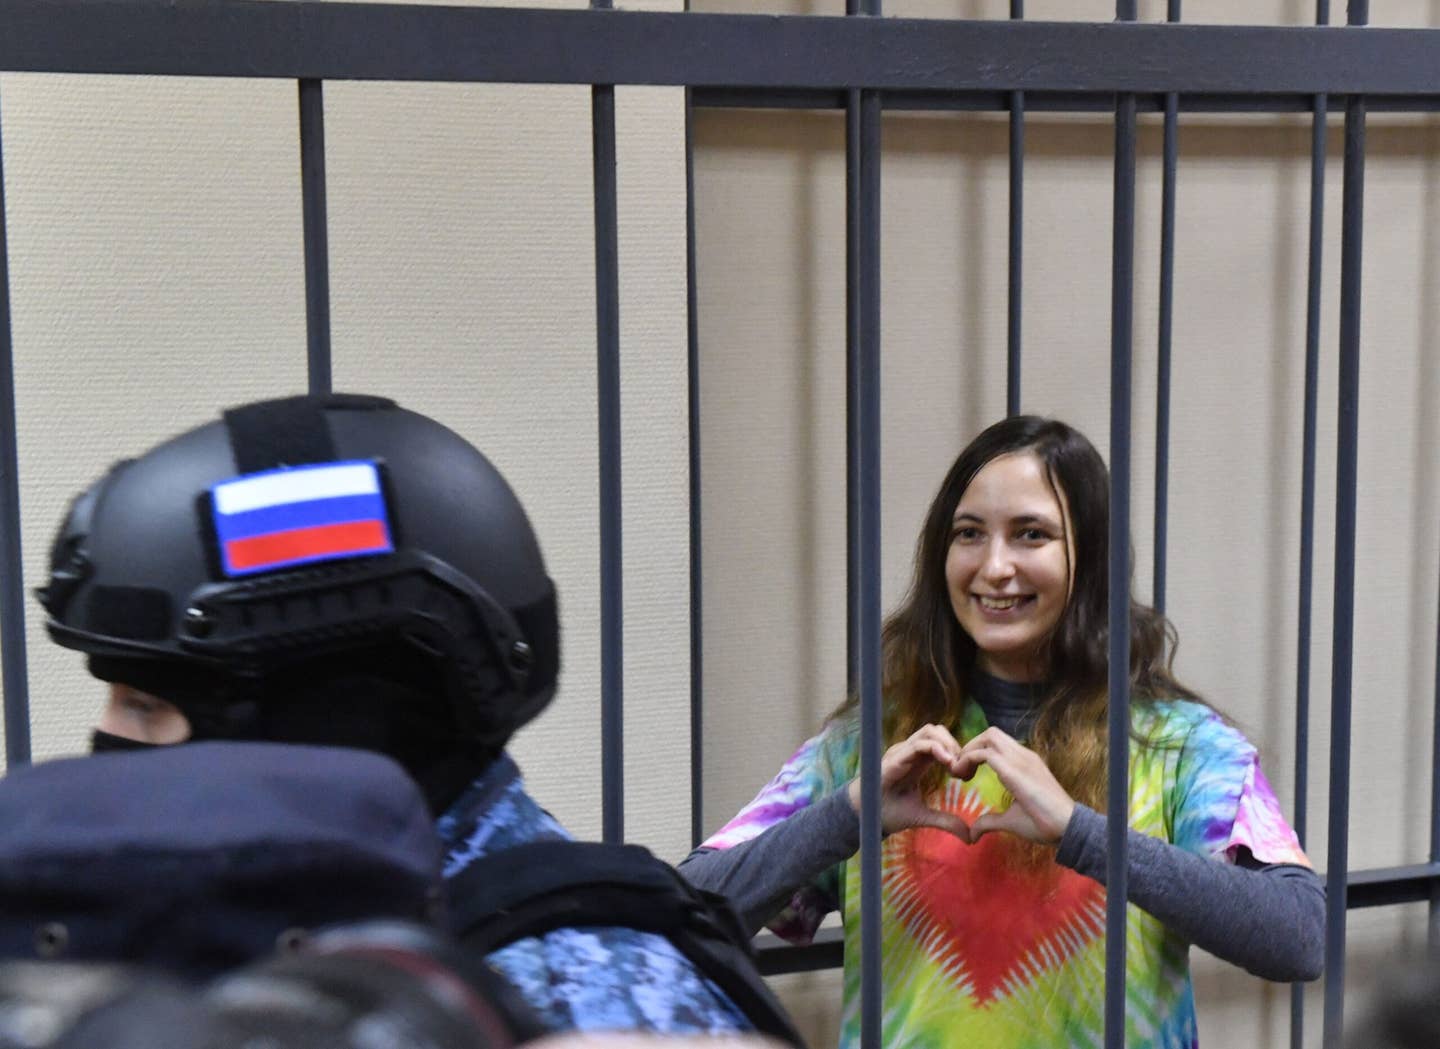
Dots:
(927, 659)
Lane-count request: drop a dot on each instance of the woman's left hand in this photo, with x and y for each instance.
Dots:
(1041, 808)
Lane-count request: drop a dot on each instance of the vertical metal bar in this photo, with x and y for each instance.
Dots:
(852, 393)
(607, 317)
(852, 382)
(697, 603)
(868, 401)
(862, 317)
(317, 241)
(1318, 135)
(1121, 339)
(14, 674)
(1169, 164)
(1017, 216)
(1435, 799)
(1351, 221)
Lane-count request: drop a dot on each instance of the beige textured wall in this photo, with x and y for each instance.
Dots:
(156, 272)
(154, 236)
(770, 235)
(157, 276)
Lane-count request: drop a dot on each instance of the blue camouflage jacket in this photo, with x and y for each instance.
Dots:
(592, 979)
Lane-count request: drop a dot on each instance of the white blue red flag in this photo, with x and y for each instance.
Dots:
(300, 514)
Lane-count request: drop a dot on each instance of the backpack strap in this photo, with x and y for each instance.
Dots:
(537, 888)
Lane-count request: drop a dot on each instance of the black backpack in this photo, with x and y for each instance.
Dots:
(533, 889)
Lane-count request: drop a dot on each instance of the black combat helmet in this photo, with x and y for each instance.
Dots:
(253, 562)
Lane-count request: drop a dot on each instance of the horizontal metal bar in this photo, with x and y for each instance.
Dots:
(1384, 886)
(1377, 887)
(349, 41)
(774, 955)
(1051, 102)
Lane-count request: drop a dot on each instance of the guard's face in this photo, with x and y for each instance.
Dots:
(142, 717)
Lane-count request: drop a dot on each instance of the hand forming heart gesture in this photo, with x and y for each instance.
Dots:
(1040, 811)
(1041, 808)
(902, 806)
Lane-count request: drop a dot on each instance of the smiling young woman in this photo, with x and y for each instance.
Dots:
(995, 709)
(1008, 566)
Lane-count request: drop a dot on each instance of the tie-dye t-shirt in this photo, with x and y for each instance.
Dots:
(983, 949)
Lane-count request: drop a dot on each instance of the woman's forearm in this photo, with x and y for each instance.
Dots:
(760, 876)
(1270, 920)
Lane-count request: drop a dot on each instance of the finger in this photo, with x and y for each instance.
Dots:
(936, 736)
(1009, 769)
(1014, 775)
(918, 755)
(970, 760)
(944, 751)
(994, 737)
(994, 744)
(1020, 770)
(942, 734)
(1041, 804)
(989, 735)
(898, 759)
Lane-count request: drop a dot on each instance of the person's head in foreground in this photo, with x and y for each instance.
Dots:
(338, 570)
(329, 569)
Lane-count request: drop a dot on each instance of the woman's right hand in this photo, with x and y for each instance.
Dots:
(902, 806)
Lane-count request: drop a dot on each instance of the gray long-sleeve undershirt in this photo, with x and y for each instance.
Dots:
(1267, 918)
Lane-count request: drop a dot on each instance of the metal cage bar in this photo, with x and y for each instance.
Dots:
(360, 41)
(862, 394)
(852, 393)
(1121, 345)
(317, 241)
(1169, 163)
(1013, 316)
(692, 392)
(14, 673)
(1434, 936)
(1068, 101)
(868, 402)
(1315, 259)
(863, 182)
(1347, 428)
(851, 104)
(607, 320)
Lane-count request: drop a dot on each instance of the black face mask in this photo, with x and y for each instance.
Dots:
(106, 742)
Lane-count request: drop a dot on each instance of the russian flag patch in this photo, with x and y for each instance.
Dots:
(298, 515)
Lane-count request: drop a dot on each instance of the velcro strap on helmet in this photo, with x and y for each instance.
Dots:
(275, 433)
(290, 431)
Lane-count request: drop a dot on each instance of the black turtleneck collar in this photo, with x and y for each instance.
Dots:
(1008, 705)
